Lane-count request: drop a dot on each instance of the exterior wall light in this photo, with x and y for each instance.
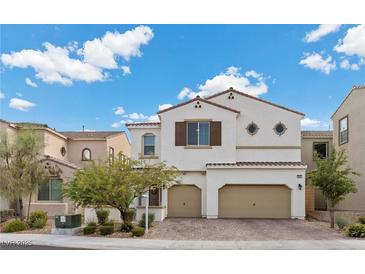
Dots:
(300, 186)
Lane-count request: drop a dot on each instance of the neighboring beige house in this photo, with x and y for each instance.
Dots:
(240, 157)
(63, 154)
(349, 134)
(321, 143)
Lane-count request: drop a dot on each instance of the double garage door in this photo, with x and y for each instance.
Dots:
(235, 201)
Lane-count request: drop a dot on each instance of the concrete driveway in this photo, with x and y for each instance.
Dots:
(242, 230)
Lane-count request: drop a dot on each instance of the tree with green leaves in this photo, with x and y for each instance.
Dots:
(21, 169)
(117, 183)
(334, 178)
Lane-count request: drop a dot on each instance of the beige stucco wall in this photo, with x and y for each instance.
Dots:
(98, 150)
(307, 150)
(354, 107)
(53, 144)
(120, 143)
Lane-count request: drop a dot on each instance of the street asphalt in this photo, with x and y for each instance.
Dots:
(41, 241)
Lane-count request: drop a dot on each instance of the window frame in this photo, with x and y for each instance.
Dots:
(143, 145)
(284, 128)
(111, 154)
(327, 149)
(339, 130)
(248, 128)
(198, 135)
(49, 183)
(82, 154)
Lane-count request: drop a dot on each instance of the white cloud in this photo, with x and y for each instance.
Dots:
(121, 123)
(353, 43)
(103, 52)
(21, 104)
(55, 65)
(136, 116)
(230, 78)
(320, 32)
(29, 82)
(308, 123)
(18, 94)
(153, 118)
(126, 70)
(164, 106)
(315, 61)
(116, 125)
(2, 95)
(119, 110)
(345, 64)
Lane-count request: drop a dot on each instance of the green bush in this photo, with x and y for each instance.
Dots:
(38, 219)
(341, 223)
(91, 224)
(137, 231)
(6, 214)
(129, 215)
(14, 226)
(127, 227)
(109, 223)
(362, 220)
(151, 218)
(356, 230)
(89, 230)
(102, 215)
(106, 229)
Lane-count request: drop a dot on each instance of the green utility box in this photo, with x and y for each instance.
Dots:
(68, 221)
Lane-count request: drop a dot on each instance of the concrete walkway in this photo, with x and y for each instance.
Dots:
(133, 243)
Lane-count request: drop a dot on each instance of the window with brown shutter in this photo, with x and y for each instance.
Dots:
(180, 133)
(215, 133)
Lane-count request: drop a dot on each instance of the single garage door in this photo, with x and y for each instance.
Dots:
(184, 201)
(254, 201)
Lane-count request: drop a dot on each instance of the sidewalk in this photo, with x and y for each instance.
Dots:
(133, 243)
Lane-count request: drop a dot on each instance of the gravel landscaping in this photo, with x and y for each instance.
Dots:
(241, 229)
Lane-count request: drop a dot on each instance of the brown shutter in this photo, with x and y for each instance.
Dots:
(180, 133)
(215, 133)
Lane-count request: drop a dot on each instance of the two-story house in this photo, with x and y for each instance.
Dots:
(64, 153)
(240, 157)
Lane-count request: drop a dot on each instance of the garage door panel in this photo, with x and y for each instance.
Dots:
(254, 201)
(184, 201)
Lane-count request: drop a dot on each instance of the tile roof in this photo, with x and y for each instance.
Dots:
(298, 164)
(317, 133)
(88, 134)
(254, 98)
(198, 98)
(142, 124)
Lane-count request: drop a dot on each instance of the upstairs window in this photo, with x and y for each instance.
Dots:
(198, 133)
(280, 128)
(50, 191)
(148, 144)
(252, 128)
(111, 154)
(86, 154)
(321, 149)
(343, 131)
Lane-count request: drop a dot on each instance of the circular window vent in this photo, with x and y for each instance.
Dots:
(252, 128)
(280, 128)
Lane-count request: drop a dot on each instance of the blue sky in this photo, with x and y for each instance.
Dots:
(101, 76)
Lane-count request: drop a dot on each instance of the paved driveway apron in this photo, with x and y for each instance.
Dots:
(241, 230)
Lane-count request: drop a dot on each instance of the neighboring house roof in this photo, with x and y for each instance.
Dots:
(59, 161)
(348, 95)
(275, 164)
(254, 98)
(89, 134)
(142, 124)
(197, 98)
(317, 134)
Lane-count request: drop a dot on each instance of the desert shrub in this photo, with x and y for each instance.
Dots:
(126, 227)
(109, 223)
(106, 229)
(356, 230)
(151, 218)
(129, 215)
(362, 220)
(137, 231)
(6, 214)
(341, 223)
(89, 229)
(14, 226)
(102, 215)
(37, 219)
(91, 224)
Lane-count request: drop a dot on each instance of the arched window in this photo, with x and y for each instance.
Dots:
(111, 154)
(148, 145)
(86, 154)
